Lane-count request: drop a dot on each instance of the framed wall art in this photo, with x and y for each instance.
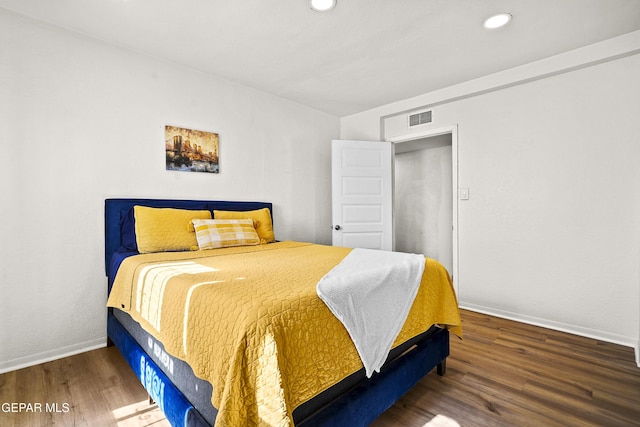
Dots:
(191, 150)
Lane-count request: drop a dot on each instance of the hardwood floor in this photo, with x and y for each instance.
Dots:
(97, 388)
(503, 373)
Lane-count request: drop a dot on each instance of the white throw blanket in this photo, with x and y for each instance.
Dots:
(371, 293)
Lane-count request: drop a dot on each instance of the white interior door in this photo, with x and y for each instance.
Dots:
(362, 193)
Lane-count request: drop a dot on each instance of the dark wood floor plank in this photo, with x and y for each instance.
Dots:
(515, 374)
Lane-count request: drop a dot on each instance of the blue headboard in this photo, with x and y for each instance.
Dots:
(117, 210)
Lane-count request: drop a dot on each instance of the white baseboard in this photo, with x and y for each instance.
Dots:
(638, 353)
(47, 356)
(558, 326)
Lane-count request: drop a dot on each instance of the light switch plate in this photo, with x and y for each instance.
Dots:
(464, 193)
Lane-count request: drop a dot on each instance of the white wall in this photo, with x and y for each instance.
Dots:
(82, 121)
(550, 153)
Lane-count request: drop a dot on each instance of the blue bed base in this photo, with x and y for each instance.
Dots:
(176, 408)
(357, 407)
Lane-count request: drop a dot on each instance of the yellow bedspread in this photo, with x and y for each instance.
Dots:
(249, 321)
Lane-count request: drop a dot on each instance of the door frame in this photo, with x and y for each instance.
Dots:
(427, 133)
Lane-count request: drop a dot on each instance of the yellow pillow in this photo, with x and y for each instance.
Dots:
(261, 218)
(166, 229)
(224, 233)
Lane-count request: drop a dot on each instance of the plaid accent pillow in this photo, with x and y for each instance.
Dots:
(261, 218)
(223, 233)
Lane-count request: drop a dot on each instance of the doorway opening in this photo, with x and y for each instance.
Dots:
(425, 211)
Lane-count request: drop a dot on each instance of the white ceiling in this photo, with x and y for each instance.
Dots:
(362, 54)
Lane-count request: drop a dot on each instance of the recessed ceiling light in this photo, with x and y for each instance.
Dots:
(323, 5)
(497, 21)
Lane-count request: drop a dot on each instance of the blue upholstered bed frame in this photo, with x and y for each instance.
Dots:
(358, 405)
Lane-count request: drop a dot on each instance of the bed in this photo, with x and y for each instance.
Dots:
(281, 383)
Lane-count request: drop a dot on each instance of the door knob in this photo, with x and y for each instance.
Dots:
(337, 227)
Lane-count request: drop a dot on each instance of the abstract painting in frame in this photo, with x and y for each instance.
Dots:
(191, 150)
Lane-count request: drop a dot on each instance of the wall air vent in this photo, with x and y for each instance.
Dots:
(418, 119)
